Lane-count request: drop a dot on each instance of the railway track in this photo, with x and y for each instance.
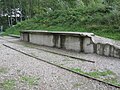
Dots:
(89, 77)
(81, 59)
(61, 54)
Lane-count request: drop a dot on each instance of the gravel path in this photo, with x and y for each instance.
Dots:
(20, 72)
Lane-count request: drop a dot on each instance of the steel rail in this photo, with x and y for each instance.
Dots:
(89, 77)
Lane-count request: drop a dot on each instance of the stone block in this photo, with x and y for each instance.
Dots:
(100, 48)
(42, 39)
(88, 46)
(107, 50)
(112, 51)
(57, 41)
(72, 43)
(117, 53)
(21, 36)
(25, 37)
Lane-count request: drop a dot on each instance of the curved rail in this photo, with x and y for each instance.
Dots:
(89, 77)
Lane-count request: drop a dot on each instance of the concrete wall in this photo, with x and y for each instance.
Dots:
(72, 43)
(42, 39)
(79, 42)
(24, 36)
(59, 41)
(108, 50)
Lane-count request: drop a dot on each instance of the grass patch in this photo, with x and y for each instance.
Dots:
(29, 80)
(95, 74)
(99, 74)
(100, 30)
(3, 70)
(96, 19)
(77, 70)
(8, 84)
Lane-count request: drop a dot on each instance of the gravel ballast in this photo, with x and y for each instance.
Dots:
(27, 73)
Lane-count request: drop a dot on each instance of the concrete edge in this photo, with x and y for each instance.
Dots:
(59, 32)
(13, 35)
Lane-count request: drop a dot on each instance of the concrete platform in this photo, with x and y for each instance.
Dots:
(74, 41)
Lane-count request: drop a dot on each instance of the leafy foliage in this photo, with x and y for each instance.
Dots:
(101, 17)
